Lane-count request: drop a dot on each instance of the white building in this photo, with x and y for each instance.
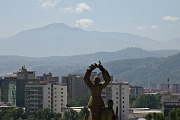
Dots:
(120, 97)
(45, 95)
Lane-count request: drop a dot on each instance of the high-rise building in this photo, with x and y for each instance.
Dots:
(75, 85)
(12, 86)
(45, 94)
(120, 97)
(136, 90)
(23, 76)
(8, 89)
(175, 88)
(163, 87)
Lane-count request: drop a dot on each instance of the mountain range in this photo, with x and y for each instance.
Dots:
(63, 50)
(146, 70)
(134, 65)
(59, 39)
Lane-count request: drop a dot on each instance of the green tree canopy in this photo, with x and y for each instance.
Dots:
(148, 101)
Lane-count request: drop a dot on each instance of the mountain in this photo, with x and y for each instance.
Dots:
(63, 65)
(58, 39)
(146, 70)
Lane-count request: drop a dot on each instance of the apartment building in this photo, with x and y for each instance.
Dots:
(175, 88)
(120, 97)
(75, 85)
(136, 90)
(12, 86)
(45, 94)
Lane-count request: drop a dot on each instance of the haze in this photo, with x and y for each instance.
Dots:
(156, 19)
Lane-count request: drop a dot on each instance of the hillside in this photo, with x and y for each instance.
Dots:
(146, 70)
(132, 64)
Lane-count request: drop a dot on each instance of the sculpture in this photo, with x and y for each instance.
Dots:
(107, 113)
(96, 102)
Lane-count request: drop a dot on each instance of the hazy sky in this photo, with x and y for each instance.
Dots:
(157, 19)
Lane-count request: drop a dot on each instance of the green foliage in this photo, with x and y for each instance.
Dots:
(71, 115)
(148, 101)
(46, 114)
(19, 114)
(132, 99)
(78, 101)
(174, 115)
(154, 116)
(84, 113)
(13, 114)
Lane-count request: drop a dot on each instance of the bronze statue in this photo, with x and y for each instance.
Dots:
(96, 102)
(107, 113)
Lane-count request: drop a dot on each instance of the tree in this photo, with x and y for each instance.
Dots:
(13, 114)
(71, 115)
(154, 116)
(84, 113)
(46, 114)
(79, 101)
(148, 101)
(132, 99)
(148, 116)
(173, 115)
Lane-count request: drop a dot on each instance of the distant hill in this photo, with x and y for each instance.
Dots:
(59, 39)
(146, 70)
(127, 65)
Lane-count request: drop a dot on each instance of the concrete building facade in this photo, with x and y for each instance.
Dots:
(45, 95)
(169, 102)
(120, 97)
(12, 86)
(136, 90)
(175, 88)
(75, 85)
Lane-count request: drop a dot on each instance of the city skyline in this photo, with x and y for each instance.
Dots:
(158, 20)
